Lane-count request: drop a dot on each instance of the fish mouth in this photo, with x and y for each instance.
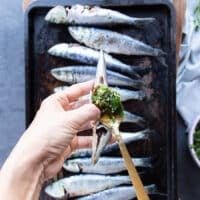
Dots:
(101, 137)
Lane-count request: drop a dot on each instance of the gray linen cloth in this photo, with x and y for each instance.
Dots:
(188, 75)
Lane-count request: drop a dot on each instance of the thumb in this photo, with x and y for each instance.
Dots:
(83, 115)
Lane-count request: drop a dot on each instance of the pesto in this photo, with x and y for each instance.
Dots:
(108, 101)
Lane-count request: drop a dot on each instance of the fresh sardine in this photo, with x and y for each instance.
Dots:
(78, 74)
(81, 185)
(90, 56)
(105, 165)
(127, 138)
(124, 93)
(93, 15)
(118, 193)
(113, 42)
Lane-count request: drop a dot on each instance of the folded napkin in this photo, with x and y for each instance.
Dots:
(188, 75)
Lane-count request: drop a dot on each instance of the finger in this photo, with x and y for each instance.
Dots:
(77, 104)
(75, 91)
(83, 115)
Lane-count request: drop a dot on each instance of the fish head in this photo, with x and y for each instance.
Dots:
(62, 74)
(101, 137)
(57, 15)
(78, 32)
(61, 49)
(71, 166)
(56, 190)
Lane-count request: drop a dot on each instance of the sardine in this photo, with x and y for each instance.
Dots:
(78, 74)
(90, 56)
(127, 138)
(81, 185)
(113, 42)
(93, 15)
(105, 165)
(118, 193)
(125, 94)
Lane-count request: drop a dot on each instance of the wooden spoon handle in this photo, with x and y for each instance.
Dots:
(135, 178)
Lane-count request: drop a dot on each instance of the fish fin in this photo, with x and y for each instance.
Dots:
(161, 57)
(143, 22)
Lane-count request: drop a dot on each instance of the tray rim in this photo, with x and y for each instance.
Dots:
(172, 152)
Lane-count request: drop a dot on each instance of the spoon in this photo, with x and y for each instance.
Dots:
(113, 122)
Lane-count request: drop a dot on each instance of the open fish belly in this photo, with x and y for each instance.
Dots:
(101, 137)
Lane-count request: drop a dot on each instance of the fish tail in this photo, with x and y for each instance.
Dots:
(138, 84)
(143, 22)
(147, 162)
(161, 57)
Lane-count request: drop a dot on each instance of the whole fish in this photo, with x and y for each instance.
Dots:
(90, 56)
(118, 193)
(81, 185)
(125, 94)
(78, 74)
(127, 138)
(105, 165)
(113, 42)
(93, 15)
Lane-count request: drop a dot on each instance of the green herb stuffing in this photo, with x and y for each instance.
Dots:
(108, 101)
(197, 16)
(196, 145)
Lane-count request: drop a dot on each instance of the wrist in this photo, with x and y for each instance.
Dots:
(22, 174)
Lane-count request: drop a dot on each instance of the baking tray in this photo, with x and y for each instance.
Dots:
(158, 109)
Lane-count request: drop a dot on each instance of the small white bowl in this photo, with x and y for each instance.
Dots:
(191, 141)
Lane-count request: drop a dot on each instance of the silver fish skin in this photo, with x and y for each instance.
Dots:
(90, 56)
(132, 118)
(118, 193)
(127, 138)
(125, 94)
(93, 15)
(113, 42)
(105, 165)
(81, 185)
(78, 74)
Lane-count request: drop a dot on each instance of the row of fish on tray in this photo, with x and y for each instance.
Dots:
(96, 181)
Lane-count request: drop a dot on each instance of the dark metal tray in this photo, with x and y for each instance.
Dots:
(158, 109)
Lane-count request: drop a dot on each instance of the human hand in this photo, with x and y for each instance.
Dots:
(47, 142)
(53, 131)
